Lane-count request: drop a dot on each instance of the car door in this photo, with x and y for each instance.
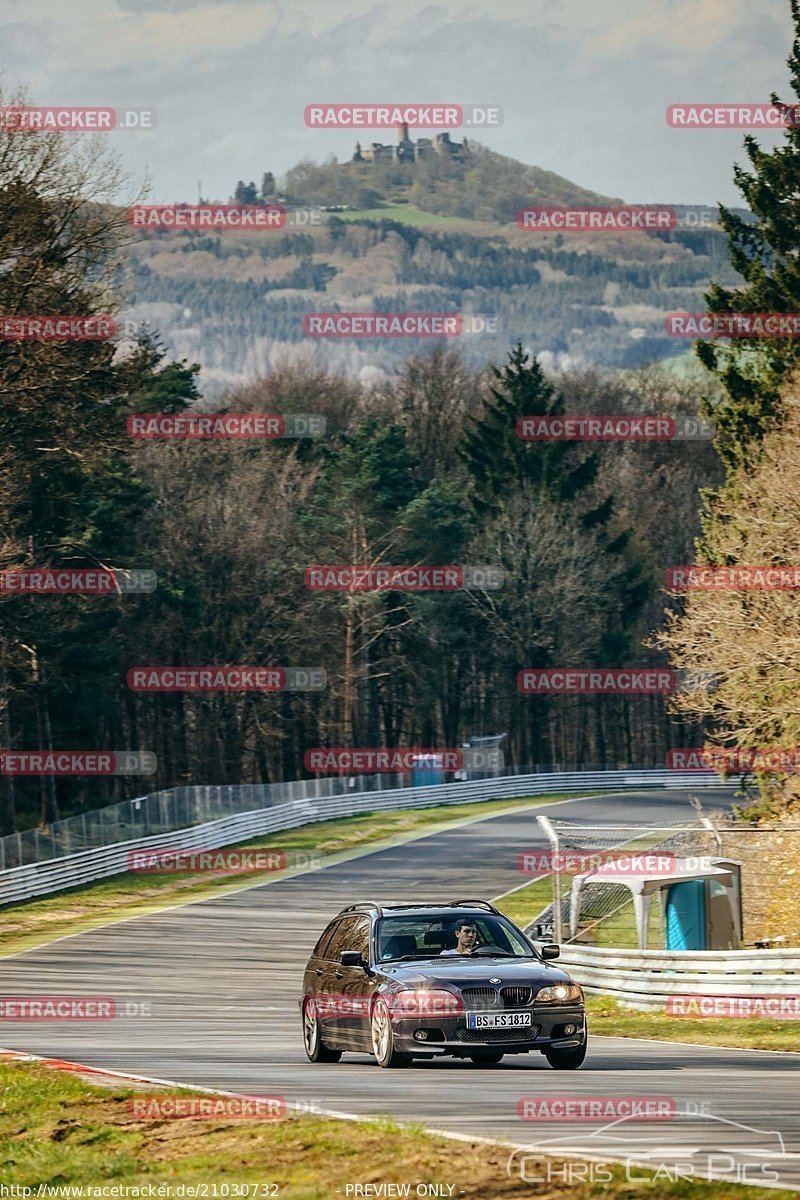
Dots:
(323, 982)
(355, 988)
(347, 984)
(331, 980)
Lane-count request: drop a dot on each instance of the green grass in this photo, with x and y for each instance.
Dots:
(57, 1130)
(522, 905)
(37, 921)
(616, 1020)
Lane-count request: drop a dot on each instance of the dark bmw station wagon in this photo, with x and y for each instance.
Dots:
(405, 981)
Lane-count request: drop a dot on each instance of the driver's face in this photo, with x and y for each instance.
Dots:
(466, 936)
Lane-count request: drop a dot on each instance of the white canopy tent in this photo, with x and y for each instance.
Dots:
(643, 887)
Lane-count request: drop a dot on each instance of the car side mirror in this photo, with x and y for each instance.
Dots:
(551, 951)
(352, 958)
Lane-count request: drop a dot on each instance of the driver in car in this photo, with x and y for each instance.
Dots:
(466, 938)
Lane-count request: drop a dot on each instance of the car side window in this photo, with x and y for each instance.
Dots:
(341, 938)
(359, 939)
(321, 948)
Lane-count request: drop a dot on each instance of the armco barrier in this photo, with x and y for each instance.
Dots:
(647, 978)
(273, 814)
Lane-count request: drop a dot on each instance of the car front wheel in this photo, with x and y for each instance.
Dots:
(316, 1049)
(565, 1060)
(383, 1038)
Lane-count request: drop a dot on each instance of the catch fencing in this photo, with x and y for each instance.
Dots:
(765, 855)
(96, 845)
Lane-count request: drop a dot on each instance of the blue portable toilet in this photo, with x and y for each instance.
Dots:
(685, 915)
(705, 913)
(427, 769)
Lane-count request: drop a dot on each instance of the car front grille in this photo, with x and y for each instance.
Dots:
(520, 1034)
(480, 998)
(516, 997)
(483, 998)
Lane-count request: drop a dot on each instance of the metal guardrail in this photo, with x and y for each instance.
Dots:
(647, 978)
(278, 806)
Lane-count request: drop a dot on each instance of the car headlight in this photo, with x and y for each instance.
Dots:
(423, 1004)
(559, 993)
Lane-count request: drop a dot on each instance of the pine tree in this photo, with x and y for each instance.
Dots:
(499, 461)
(767, 255)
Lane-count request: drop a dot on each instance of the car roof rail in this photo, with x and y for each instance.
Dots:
(391, 905)
(473, 904)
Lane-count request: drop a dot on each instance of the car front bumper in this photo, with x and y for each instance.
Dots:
(450, 1035)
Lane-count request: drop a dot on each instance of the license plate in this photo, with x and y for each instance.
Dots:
(503, 1020)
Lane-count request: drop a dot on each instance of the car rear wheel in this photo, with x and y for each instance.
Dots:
(565, 1060)
(487, 1058)
(316, 1049)
(383, 1038)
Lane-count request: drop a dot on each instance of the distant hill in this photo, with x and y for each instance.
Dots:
(481, 185)
(438, 234)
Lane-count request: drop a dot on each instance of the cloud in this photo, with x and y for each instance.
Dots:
(583, 85)
(693, 27)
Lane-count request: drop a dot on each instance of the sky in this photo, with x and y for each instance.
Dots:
(583, 84)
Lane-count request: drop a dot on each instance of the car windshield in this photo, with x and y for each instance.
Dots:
(429, 936)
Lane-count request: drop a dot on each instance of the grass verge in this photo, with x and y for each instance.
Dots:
(611, 1019)
(59, 1131)
(37, 921)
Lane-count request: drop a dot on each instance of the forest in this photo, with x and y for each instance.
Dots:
(420, 464)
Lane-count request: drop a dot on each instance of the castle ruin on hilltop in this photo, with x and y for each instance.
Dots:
(406, 150)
